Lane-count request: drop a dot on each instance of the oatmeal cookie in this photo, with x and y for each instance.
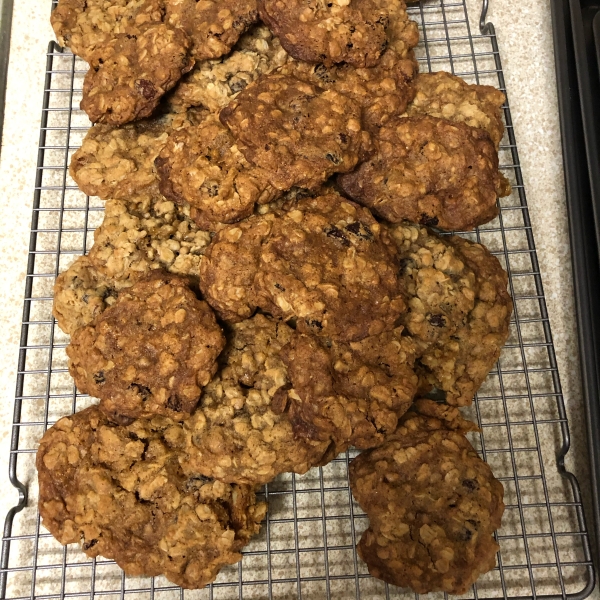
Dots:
(202, 166)
(119, 491)
(460, 365)
(296, 131)
(138, 237)
(430, 171)
(441, 287)
(325, 263)
(352, 31)
(433, 506)
(129, 75)
(214, 26)
(449, 97)
(81, 293)
(350, 393)
(150, 353)
(213, 83)
(85, 25)
(382, 91)
(241, 430)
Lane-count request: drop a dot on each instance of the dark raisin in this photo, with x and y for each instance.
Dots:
(404, 264)
(90, 544)
(437, 320)
(142, 390)
(146, 88)
(429, 221)
(279, 287)
(314, 323)
(99, 377)
(360, 230)
(470, 484)
(336, 160)
(337, 234)
(174, 403)
(464, 535)
(343, 138)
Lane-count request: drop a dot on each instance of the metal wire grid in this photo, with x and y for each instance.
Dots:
(306, 548)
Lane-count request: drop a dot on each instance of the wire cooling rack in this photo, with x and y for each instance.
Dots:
(306, 548)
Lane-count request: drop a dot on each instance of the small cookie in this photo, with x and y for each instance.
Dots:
(352, 31)
(241, 430)
(201, 165)
(119, 491)
(297, 132)
(214, 26)
(449, 97)
(325, 263)
(150, 353)
(81, 293)
(213, 83)
(460, 365)
(430, 171)
(85, 25)
(350, 393)
(129, 74)
(433, 506)
(138, 237)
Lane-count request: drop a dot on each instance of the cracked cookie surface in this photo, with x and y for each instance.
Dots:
(202, 166)
(430, 171)
(120, 492)
(433, 506)
(241, 431)
(297, 132)
(150, 353)
(352, 31)
(325, 262)
(214, 26)
(129, 74)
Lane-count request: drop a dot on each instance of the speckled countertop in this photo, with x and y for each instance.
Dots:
(524, 31)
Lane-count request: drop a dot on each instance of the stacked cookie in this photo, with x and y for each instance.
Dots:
(266, 290)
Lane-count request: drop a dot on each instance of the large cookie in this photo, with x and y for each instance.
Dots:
(352, 31)
(297, 132)
(449, 97)
(432, 504)
(129, 74)
(85, 25)
(201, 166)
(120, 492)
(430, 171)
(214, 26)
(150, 353)
(241, 430)
(325, 262)
(213, 83)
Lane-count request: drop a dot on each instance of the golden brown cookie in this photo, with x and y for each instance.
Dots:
(433, 506)
(297, 132)
(120, 492)
(150, 353)
(326, 263)
(430, 171)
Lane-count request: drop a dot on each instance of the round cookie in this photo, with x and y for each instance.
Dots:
(430, 171)
(460, 365)
(352, 31)
(214, 26)
(85, 25)
(350, 393)
(433, 506)
(201, 165)
(136, 238)
(297, 132)
(241, 431)
(120, 492)
(129, 74)
(213, 83)
(150, 353)
(325, 262)
(449, 97)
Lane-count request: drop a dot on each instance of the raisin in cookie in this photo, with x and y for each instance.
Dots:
(241, 431)
(150, 353)
(201, 165)
(297, 132)
(120, 492)
(129, 75)
(325, 262)
(430, 171)
(433, 506)
(352, 31)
